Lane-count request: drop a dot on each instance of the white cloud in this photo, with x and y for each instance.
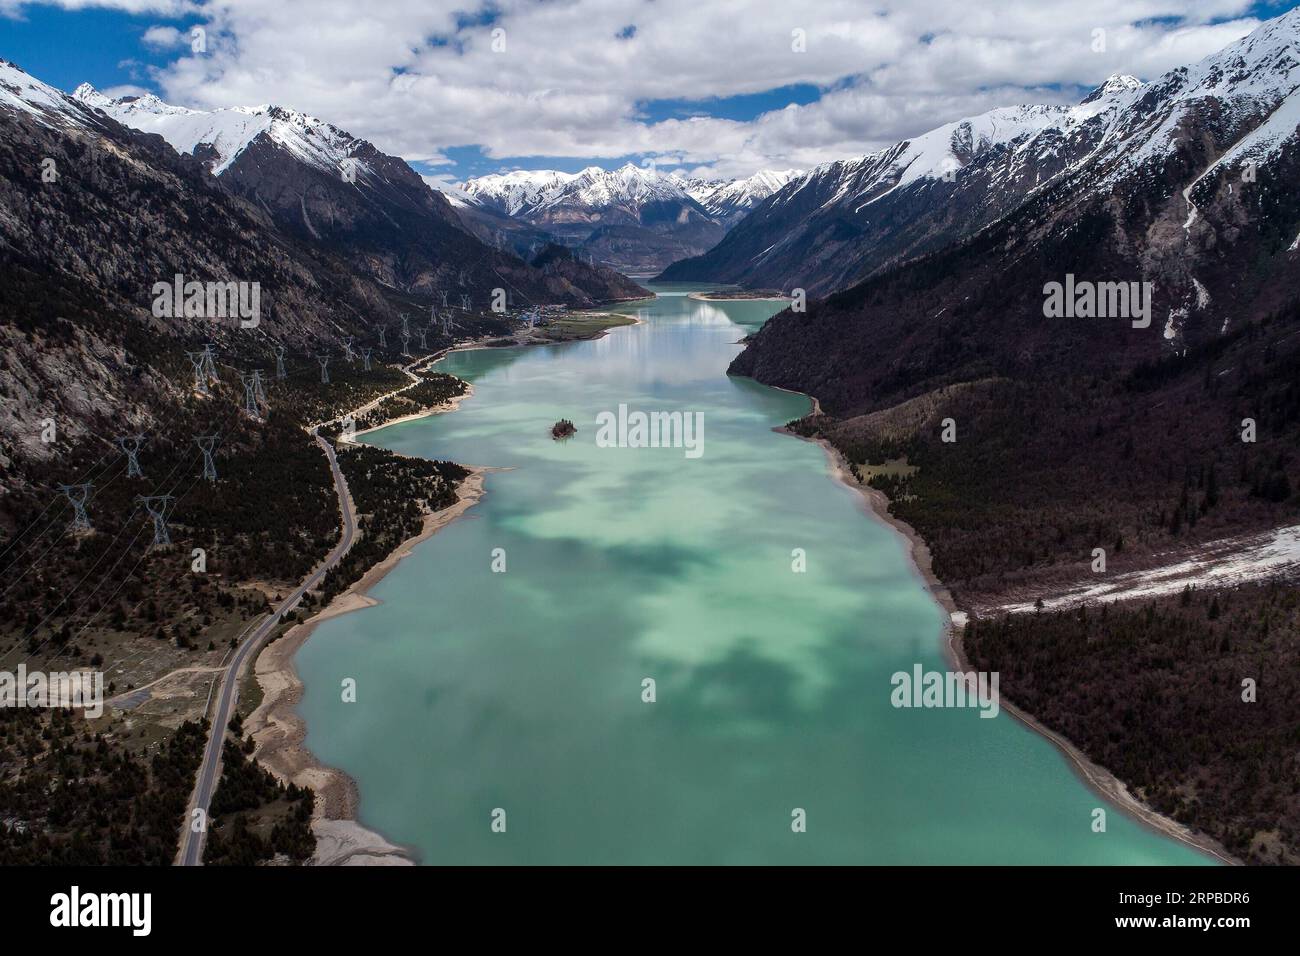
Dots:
(406, 76)
(164, 38)
(126, 89)
(169, 8)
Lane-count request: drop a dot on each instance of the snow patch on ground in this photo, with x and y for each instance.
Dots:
(1220, 564)
(1174, 324)
(1202, 294)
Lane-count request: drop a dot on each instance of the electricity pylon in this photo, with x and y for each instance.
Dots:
(157, 506)
(324, 361)
(280, 373)
(130, 445)
(77, 495)
(365, 356)
(200, 363)
(254, 397)
(210, 362)
(207, 444)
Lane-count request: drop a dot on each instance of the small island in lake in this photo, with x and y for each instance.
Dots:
(563, 429)
(725, 295)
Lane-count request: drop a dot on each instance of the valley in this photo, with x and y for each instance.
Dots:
(515, 435)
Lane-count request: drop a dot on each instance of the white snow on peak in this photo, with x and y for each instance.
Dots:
(1123, 124)
(724, 197)
(527, 191)
(517, 190)
(229, 131)
(20, 91)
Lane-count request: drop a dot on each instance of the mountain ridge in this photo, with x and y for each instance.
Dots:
(325, 186)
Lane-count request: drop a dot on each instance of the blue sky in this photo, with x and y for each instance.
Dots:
(694, 85)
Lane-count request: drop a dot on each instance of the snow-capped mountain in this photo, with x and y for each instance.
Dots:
(221, 136)
(22, 93)
(1185, 182)
(92, 214)
(847, 220)
(539, 194)
(324, 185)
(729, 200)
(517, 192)
(635, 217)
(632, 218)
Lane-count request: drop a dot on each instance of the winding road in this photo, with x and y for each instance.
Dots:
(191, 849)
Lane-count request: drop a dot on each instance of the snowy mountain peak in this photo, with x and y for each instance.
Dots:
(1117, 83)
(730, 199)
(22, 92)
(228, 132)
(529, 192)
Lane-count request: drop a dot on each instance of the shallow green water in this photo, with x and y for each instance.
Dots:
(523, 690)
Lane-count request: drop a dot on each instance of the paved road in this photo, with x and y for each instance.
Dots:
(191, 852)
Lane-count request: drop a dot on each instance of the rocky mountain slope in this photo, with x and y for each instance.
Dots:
(1082, 430)
(94, 214)
(328, 188)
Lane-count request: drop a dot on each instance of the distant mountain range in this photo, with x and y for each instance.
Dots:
(730, 200)
(634, 218)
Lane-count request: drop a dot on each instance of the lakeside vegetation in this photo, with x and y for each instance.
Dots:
(1154, 692)
(237, 544)
(433, 390)
(255, 819)
(1148, 464)
(73, 797)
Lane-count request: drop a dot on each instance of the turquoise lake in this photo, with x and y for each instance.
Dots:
(522, 690)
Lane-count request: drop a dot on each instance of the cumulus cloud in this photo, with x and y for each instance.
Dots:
(164, 38)
(573, 79)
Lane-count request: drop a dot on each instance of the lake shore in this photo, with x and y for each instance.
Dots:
(279, 732)
(1097, 778)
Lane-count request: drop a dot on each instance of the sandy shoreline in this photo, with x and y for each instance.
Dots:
(1097, 778)
(279, 733)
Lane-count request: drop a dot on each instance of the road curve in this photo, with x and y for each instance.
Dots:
(191, 849)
